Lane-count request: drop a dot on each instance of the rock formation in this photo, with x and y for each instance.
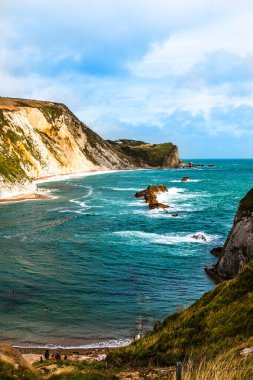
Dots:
(147, 155)
(237, 251)
(185, 179)
(150, 196)
(43, 138)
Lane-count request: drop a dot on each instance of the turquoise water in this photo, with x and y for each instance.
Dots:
(102, 263)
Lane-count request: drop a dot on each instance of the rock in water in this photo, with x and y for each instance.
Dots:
(237, 251)
(199, 237)
(150, 196)
(185, 179)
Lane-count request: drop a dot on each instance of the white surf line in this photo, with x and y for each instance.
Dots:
(87, 173)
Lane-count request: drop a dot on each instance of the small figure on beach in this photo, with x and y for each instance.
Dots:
(46, 355)
(65, 357)
(53, 357)
(57, 356)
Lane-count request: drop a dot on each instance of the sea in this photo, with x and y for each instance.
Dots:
(93, 266)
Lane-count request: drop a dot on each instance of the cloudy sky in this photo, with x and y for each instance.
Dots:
(155, 70)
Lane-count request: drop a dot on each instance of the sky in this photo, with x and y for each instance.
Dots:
(152, 70)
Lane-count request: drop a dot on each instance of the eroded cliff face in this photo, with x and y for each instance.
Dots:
(41, 139)
(237, 251)
(147, 155)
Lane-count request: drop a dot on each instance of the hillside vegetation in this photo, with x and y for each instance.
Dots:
(220, 323)
(150, 155)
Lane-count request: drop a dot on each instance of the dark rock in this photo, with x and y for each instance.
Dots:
(174, 215)
(211, 165)
(199, 237)
(150, 195)
(140, 194)
(185, 179)
(237, 251)
(216, 252)
(153, 206)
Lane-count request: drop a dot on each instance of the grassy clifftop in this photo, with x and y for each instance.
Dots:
(144, 154)
(220, 323)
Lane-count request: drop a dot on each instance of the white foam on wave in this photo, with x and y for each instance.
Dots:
(177, 194)
(104, 344)
(73, 211)
(123, 188)
(189, 180)
(168, 239)
(79, 201)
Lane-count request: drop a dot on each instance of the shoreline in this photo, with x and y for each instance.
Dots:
(39, 195)
(33, 355)
(26, 197)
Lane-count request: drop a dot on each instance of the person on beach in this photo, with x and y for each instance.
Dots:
(53, 357)
(57, 356)
(46, 355)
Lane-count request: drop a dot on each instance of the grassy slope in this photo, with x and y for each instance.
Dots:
(143, 153)
(220, 322)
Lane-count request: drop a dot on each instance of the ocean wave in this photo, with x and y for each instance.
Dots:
(122, 188)
(74, 211)
(189, 180)
(169, 239)
(113, 343)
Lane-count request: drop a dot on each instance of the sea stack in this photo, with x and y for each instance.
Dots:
(150, 196)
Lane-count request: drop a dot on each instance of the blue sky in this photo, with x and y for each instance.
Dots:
(155, 70)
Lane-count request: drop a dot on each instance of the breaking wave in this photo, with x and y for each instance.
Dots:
(168, 239)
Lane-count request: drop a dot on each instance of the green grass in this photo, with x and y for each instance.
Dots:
(220, 322)
(144, 154)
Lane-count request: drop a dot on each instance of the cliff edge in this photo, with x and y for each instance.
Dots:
(147, 155)
(39, 138)
(237, 251)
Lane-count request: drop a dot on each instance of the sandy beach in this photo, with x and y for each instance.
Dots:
(26, 197)
(34, 354)
(42, 194)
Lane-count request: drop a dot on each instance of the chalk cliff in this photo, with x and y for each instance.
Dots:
(40, 138)
(237, 251)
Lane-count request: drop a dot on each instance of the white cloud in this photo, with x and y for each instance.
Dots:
(165, 88)
(183, 50)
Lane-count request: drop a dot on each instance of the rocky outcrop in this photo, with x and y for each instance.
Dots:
(150, 196)
(237, 251)
(185, 179)
(142, 154)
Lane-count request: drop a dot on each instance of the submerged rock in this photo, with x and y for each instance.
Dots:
(237, 251)
(199, 237)
(185, 179)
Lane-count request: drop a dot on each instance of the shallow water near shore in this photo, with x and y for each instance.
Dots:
(103, 264)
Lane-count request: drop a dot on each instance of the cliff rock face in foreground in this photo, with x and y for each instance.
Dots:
(238, 248)
(44, 138)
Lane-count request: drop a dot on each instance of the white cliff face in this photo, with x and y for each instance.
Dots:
(42, 160)
(47, 140)
(40, 139)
